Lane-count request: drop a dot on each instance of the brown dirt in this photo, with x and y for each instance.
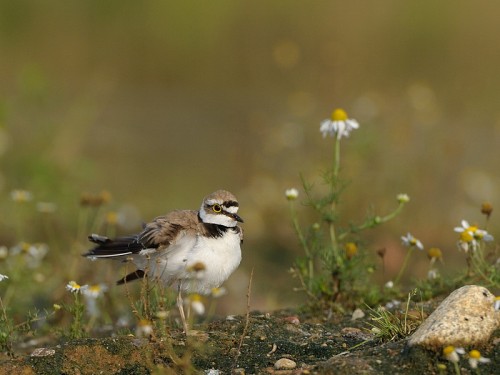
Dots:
(317, 346)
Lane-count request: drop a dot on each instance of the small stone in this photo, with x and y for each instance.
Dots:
(357, 314)
(465, 318)
(292, 319)
(43, 352)
(355, 333)
(285, 364)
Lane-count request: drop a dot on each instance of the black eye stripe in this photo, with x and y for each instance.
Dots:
(224, 205)
(230, 204)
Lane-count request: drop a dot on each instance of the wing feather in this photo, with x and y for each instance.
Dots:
(159, 233)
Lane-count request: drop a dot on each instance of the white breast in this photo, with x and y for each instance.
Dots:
(220, 256)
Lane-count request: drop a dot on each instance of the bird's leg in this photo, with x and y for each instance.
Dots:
(181, 311)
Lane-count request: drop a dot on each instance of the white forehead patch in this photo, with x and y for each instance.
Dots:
(231, 209)
(211, 202)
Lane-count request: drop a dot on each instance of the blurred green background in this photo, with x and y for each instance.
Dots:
(160, 103)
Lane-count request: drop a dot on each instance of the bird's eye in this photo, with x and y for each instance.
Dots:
(217, 208)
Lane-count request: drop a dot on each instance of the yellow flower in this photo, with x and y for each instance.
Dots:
(111, 218)
(350, 249)
(486, 209)
(434, 253)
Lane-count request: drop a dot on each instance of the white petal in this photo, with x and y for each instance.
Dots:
(353, 124)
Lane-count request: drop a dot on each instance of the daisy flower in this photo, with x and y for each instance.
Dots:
(338, 125)
(33, 254)
(291, 194)
(452, 354)
(433, 274)
(497, 303)
(470, 236)
(196, 303)
(410, 241)
(434, 254)
(144, 328)
(219, 292)
(94, 291)
(3, 277)
(403, 198)
(75, 288)
(474, 232)
(91, 294)
(475, 358)
(21, 196)
(389, 284)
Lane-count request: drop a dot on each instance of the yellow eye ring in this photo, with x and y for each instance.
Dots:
(217, 208)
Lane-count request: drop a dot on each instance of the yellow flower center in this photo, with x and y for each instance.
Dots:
(25, 247)
(74, 285)
(195, 297)
(144, 323)
(465, 236)
(339, 115)
(350, 249)
(474, 354)
(472, 229)
(95, 288)
(112, 218)
(448, 350)
(434, 252)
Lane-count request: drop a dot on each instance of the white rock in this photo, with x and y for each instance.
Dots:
(466, 317)
(357, 314)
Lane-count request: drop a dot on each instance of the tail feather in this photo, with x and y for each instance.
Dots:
(138, 274)
(108, 248)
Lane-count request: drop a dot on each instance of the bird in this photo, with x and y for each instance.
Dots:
(187, 250)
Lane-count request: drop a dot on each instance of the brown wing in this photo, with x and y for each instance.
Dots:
(163, 230)
(160, 232)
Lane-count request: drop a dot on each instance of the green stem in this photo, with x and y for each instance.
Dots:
(333, 236)
(457, 368)
(303, 242)
(405, 264)
(370, 223)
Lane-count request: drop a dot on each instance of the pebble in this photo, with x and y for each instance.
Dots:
(292, 319)
(43, 352)
(285, 364)
(465, 318)
(357, 314)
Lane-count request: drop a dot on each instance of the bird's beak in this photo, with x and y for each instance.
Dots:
(237, 218)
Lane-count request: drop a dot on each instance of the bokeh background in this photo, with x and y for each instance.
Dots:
(160, 103)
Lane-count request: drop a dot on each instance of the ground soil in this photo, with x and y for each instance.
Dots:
(246, 345)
